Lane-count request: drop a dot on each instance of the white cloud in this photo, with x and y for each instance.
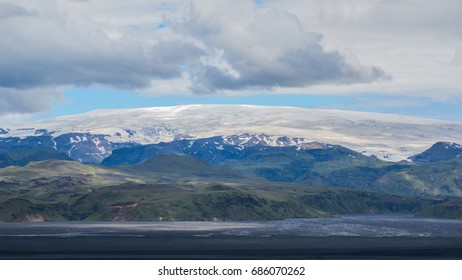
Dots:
(9, 10)
(48, 48)
(413, 41)
(307, 47)
(457, 59)
(255, 50)
(396, 16)
(47, 45)
(222, 45)
(24, 101)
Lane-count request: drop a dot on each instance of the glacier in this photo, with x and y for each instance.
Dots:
(96, 133)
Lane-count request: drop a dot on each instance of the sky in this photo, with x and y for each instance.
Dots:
(61, 57)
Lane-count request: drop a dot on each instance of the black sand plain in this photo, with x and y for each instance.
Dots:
(356, 237)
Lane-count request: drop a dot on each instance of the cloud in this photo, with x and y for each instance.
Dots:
(27, 101)
(46, 45)
(220, 46)
(8, 10)
(457, 59)
(413, 41)
(249, 49)
(398, 16)
(49, 49)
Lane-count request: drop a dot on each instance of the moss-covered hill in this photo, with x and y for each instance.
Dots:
(327, 165)
(181, 188)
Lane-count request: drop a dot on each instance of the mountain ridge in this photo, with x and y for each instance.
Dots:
(326, 165)
(440, 151)
(90, 137)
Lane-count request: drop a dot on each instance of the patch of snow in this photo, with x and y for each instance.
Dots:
(100, 147)
(70, 151)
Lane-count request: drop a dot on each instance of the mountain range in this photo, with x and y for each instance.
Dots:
(228, 162)
(315, 164)
(92, 136)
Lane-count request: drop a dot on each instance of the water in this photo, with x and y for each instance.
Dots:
(346, 226)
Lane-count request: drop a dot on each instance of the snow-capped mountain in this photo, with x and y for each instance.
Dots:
(440, 151)
(92, 136)
(215, 150)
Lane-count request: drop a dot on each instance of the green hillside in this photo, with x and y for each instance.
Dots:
(346, 169)
(23, 157)
(436, 179)
(180, 188)
(173, 187)
(323, 165)
(181, 165)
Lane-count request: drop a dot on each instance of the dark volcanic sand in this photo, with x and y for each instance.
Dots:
(229, 247)
(353, 237)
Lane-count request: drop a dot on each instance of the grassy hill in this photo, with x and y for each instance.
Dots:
(442, 179)
(341, 167)
(181, 188)
(56, 180)
(183, 166)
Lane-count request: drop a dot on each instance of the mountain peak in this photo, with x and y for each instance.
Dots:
(440, 151)
(452, 145)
